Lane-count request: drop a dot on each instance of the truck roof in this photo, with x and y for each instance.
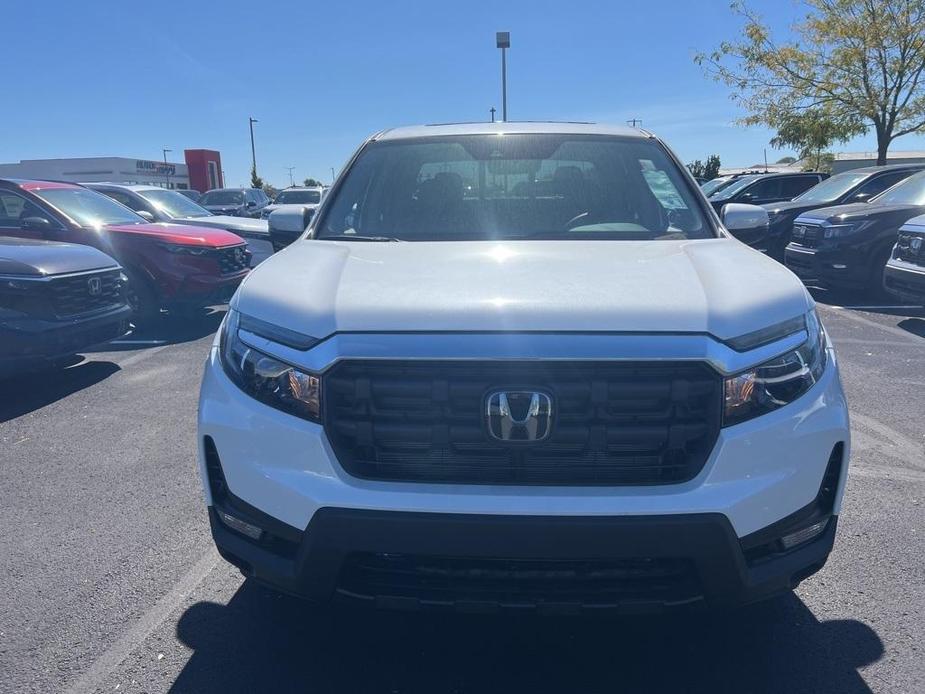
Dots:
(509, 127)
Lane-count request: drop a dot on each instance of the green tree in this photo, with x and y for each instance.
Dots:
(811, 132)
(256, 181)
(859, 61)
(312, 183)
(697, 168)
(708, 170)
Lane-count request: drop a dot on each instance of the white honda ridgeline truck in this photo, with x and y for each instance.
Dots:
(517, 366)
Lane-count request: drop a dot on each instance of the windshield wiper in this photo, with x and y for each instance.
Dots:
(352, 237)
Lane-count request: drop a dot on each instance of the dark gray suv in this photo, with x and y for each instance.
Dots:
(238, 202)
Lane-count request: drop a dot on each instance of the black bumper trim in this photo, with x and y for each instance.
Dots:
(707, 540)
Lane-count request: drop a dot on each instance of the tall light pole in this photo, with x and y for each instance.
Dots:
(252, 120)
(332, 175)
(633, 121)
(166, 169)
(492, 111)
(503, 41)
(290, 169)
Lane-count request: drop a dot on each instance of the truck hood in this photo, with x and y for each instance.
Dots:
(34, 258)
(716, 286)
(178, 233)
(237, 225)
(855, 211)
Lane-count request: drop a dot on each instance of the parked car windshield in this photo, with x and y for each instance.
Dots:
(734, 187)
(88, 208)
(222, 197)
(174, 204)
(910, 191)
(518, 186)
(298, 197)
(832, 188)
(715, 184)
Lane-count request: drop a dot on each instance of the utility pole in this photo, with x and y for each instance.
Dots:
(332, 175)
(166, 169)
(503, 41)
(492, 111)
(765, 159)
(290, 169)
(633, 121)
(252, 120)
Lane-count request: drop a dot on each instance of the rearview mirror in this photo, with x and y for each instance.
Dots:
(146, 215)
(739, 217)
(36, 223)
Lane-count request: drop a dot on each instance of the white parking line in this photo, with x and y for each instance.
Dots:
(146, 624)
(138, 342)
(901, 307)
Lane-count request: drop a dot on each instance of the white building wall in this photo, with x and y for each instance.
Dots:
(99, 169)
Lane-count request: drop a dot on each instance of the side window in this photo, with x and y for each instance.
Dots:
(14, 208)
(762, 189)
(878, 184)
(794, 185)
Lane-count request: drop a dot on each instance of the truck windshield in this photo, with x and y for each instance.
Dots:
(515, 186)
(833, 188)
(734, 187)
(909, 192)
(298, 197)
(174, 204)
(88, 208)
(222, 197)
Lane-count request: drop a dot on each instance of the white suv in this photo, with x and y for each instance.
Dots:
(523, 366)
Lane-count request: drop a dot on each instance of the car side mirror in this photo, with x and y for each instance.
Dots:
(36, 224)
(145, 214)
(741, 218)
(860, 197)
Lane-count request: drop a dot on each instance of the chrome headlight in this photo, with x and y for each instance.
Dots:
(266, 378)
(837, 231)
(779, 381)
(184, 249)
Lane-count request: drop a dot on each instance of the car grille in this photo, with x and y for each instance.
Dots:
(233, 259)
(910, 248)
(614, 423)
(485, 584)
(810, 237)
(76, 294)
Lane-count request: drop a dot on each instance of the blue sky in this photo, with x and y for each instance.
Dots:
(126, 78)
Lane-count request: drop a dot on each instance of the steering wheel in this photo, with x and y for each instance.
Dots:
(585, 216)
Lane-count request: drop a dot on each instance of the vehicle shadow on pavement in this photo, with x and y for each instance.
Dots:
(34, 390)
(262, 641)
(169, 330)
(916, 326)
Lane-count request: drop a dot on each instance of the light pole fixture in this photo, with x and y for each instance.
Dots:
(166, 168)
(290, 170)
(503, 41)
(252, 120)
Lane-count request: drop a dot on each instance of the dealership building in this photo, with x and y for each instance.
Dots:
(201, 171)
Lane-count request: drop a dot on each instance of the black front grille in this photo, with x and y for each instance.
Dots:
(233, 259)
(76, 294)
(518, 583)
(810, 237)
(614, 423)
(910, 248)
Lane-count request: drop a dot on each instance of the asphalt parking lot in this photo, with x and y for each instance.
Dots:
(112, 584)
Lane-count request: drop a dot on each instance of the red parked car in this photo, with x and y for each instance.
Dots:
(169, 266)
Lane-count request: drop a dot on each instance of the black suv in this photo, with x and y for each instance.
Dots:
(238, 202)
(760, 189)
(56, 299)
(848, 246)
(857, 185)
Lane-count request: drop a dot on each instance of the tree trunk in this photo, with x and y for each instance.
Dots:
(883, 144)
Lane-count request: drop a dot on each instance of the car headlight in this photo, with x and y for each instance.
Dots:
(184, 249)
(779, 381)
(265, 378)
(837, 231)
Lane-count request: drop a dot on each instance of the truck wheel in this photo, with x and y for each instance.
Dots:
(142, 298)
